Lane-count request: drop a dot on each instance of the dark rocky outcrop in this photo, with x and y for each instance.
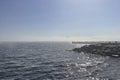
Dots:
(105, 49)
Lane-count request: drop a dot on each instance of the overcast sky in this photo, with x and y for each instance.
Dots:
(59, 20)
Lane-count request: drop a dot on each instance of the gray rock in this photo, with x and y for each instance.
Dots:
(105, 49)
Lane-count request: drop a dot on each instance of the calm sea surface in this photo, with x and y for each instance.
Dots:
(53, 61)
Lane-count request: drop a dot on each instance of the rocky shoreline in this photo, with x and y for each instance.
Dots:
(104, 49)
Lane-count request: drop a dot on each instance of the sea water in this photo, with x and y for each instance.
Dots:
(54, 61)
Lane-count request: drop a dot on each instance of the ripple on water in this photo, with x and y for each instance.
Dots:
(44, 61)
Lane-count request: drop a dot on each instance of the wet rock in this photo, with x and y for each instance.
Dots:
(105, 49)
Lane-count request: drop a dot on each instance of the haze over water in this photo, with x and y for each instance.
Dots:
(61, 20)
(35, 38)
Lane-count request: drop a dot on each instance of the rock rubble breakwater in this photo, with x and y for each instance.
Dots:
(104, 49)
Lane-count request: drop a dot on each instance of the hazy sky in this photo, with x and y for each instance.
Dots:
(39, 20)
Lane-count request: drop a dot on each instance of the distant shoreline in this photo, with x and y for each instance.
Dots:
(93, 42)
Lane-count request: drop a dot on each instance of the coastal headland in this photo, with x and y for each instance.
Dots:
(101, 48)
